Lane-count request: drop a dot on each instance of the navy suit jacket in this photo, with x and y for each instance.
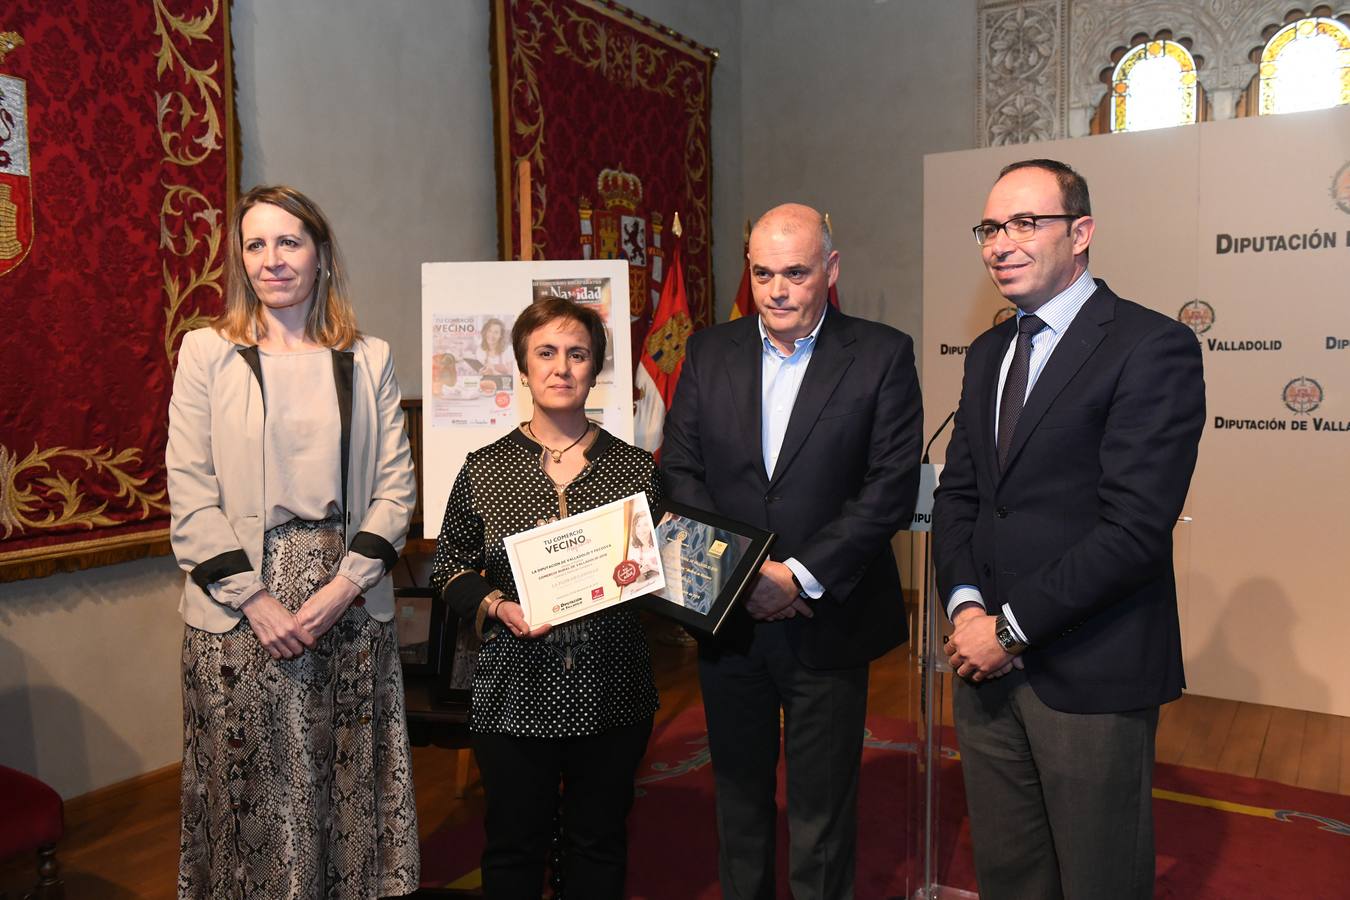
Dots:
(845, 481)
(1076, 533)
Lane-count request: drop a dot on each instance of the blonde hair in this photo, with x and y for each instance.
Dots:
(331, 320)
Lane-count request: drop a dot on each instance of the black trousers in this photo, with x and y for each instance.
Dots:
(823, 713)
(521, 777)
(1060, 803)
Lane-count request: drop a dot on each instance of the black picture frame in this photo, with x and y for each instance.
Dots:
(442, 665)
(459, 657)
(705, 582)
(424, 653)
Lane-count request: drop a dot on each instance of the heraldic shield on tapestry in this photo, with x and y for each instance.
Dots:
(617, 227)
(16, 183)
(603, 118)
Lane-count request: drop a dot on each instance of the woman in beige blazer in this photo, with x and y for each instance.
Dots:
(291, 486)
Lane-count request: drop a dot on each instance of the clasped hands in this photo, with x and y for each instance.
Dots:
(973, 650)
(775, 595)
(286, 635)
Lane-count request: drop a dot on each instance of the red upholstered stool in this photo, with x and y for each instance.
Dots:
(32, 819)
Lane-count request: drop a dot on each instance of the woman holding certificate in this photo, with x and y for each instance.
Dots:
(571, 704)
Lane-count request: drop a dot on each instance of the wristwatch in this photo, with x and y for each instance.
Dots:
(1007, 638)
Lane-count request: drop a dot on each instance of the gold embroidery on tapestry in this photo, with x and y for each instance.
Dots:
(183, 208)
(176, 102)
(9, 42)
(174, 211)
(19, 503)
(621, 60)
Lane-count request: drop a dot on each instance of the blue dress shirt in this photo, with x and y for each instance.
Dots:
(780, 378)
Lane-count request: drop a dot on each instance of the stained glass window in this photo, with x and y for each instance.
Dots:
(1306, 65)
(1154, 86)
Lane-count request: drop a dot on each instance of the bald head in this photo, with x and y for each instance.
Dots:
(793, 218)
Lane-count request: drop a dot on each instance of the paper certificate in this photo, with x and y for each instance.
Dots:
(584, 563)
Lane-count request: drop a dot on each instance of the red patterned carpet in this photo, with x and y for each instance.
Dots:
(1218, 836)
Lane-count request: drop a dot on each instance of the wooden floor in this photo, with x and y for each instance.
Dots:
(122, 842)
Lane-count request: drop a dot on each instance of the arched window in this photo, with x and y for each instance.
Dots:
(1152, 82)
(1305, 65)
(1154, 86)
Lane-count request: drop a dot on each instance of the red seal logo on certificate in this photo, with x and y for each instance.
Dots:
(626, 572)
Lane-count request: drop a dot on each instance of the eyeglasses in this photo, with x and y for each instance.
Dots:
(1019, 228)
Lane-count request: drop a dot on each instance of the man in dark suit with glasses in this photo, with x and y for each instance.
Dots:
(1072, 452)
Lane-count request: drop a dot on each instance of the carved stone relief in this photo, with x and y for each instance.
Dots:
(1022, 85)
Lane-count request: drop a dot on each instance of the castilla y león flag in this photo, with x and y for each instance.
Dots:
(662, 353)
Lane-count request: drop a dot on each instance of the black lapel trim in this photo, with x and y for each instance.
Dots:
(744, 378)
(988, 406)
(343, 364)
(250, 355)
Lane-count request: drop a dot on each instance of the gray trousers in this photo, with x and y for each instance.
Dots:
(823, 713)
(1060, 803)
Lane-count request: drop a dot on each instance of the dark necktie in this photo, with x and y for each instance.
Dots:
(1015, 386)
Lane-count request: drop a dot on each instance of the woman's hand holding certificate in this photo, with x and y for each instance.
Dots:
(585, 563)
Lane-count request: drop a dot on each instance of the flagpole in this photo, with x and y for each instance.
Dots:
(526, 210)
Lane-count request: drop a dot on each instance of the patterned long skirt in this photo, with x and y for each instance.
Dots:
(297, 780)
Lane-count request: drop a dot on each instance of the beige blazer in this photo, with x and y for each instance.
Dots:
(215, 457)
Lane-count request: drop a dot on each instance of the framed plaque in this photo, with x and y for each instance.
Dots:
(708, 560)
(420, 620)
(454, 678)
(434, 646)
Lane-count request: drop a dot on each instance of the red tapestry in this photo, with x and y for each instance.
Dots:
(116, 177)
(612, 112)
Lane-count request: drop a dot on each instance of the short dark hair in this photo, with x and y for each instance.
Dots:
(542, 312)
(1073, 187)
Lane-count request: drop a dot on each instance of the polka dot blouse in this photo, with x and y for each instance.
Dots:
(585, 676)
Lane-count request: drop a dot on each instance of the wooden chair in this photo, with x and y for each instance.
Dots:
(32, 820)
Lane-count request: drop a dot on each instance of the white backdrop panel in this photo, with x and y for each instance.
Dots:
(1261, 568)
(477, 405)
